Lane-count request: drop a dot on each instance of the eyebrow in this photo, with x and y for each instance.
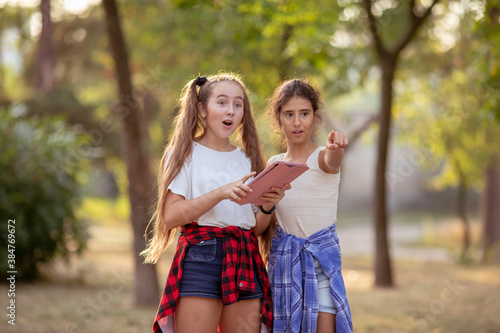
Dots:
(297, 110)
(222, 95)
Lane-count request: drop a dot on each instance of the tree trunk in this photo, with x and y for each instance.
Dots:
(492, 212)
(462, 213)
(383, 270)
(44, 72)
(139, 177)
(286, 64)
(388, 58)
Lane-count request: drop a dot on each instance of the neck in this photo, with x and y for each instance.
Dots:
(299, 153)
(215, 143)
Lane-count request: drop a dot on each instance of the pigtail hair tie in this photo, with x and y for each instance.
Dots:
(201, 80)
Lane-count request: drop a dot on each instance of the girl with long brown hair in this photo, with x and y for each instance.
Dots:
(217, 278)
(304, 255)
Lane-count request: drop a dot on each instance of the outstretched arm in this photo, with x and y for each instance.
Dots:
(330, 158)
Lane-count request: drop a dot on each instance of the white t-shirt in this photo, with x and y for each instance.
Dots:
(207, 169)
(311, 204)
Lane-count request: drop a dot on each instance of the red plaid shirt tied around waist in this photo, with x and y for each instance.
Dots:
(241, 253)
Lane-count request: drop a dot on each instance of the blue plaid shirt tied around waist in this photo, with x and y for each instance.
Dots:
(295, 300)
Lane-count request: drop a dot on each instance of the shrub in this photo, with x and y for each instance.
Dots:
(39, 163)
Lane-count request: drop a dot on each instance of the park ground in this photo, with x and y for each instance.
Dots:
(433, 292)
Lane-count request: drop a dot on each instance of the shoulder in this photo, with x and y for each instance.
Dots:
(242, 152)
(188, 159)
(194, 150)
(275, 158)
(313, 161)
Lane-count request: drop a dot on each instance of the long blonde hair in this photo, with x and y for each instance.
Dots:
(189, 125)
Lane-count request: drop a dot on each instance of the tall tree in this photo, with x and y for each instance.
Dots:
(490, 33)
(45, 57)
(492, 212)
(139, 175)
(388, 57)
(462, 210)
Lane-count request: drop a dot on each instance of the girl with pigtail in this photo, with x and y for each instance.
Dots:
(217, 280)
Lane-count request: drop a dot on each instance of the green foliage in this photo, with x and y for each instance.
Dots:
(263, 40)
(39, 163)
(447, 83)
(448, 114)
(488, 30)
(62, 102)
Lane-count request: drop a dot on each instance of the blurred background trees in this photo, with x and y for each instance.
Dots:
(445, 109)
(40, 191)
(136, 142)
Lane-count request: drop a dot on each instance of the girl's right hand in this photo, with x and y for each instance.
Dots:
(236, 190)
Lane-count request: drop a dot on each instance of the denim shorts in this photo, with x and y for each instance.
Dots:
(324, 295)
(202, 270)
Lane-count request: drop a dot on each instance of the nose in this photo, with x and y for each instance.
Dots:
(230, 109)
(296, 121)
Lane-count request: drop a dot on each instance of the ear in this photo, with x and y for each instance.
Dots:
(201, 110)
(316, 118)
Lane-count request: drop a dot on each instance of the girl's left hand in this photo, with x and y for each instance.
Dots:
(336, 140)
(274, 196)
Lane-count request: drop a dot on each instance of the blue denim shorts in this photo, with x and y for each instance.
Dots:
(202, 270)
(324, 295)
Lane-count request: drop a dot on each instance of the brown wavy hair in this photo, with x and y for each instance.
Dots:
(282, 95)
(189, 125)
(286, 91)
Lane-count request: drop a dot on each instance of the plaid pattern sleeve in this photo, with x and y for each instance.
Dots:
(294, 282)
(241, 253)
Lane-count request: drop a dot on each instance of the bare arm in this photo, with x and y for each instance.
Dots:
(179, 211)
(330, 159)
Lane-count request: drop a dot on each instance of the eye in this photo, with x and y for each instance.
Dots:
(305, 113)
(288, 115)
(238, 105)
(221, 102)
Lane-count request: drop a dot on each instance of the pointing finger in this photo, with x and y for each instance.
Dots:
(246, 177)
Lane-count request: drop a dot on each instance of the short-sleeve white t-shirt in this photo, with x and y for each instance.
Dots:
(206, 170)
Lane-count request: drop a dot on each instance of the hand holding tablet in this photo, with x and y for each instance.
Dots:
(277, 174)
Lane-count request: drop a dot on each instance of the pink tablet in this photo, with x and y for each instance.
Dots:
(277, 174)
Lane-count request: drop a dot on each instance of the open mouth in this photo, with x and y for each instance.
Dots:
(297, 132)
(227, 123)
